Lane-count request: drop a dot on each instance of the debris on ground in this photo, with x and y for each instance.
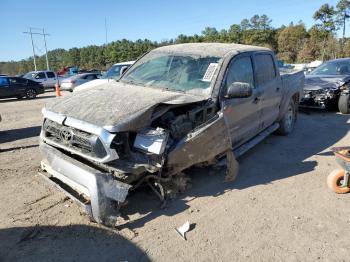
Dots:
(183, 229)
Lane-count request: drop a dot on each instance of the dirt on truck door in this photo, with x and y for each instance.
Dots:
(241, 114)
(269, 84)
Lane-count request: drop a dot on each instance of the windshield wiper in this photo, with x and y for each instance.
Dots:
(133, 82)
(174, 90)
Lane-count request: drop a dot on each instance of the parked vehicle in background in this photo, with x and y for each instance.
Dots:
(19, 87)
(72, 82)
(178, 106)
(313, 65)
(283, 66)
(47, 78)
(112, 74)
(327, 86)
(68, 71)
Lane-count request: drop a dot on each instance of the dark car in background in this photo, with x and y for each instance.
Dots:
(19, 87)
(327, 86)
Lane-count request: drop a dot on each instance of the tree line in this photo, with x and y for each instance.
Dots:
(293, 43)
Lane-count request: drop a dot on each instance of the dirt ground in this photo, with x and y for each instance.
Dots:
(278, 209)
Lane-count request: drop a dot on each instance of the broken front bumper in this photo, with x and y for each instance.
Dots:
(319, 99)
(98, 191)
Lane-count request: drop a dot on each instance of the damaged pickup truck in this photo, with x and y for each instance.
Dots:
(176, 107)
(328, 86)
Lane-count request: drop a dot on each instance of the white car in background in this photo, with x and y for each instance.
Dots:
(47, 78)
(112, 74)
(70, 83)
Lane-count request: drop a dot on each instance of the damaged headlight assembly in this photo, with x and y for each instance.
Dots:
(152, 140)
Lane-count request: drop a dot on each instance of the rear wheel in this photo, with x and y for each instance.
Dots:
(343, 104)
(335, 182)
(288, 121)
(30, 93)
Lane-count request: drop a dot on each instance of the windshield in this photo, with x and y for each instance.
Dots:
(333, 68)
(113, 72)
(185, 73)
(29, 75)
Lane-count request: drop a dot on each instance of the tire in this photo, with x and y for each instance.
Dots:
(343, 104)
(288, 120)
(334, 180)
(30, 93)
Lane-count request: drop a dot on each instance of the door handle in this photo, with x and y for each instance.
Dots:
(277, 89)
(256, 100)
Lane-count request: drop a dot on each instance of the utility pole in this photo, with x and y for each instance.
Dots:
(106, 29)
(31, 37)
(47, 60)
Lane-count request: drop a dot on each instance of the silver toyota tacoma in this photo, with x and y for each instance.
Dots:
(176, 107)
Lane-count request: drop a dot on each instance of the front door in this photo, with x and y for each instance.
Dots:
(241, 114)
(41, 77)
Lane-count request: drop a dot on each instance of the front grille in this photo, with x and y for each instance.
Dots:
(69, 137)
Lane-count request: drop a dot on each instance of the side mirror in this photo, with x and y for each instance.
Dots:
(36, 77)
(239, 90)
(122, 70)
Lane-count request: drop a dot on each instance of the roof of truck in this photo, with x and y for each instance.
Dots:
(209, 49)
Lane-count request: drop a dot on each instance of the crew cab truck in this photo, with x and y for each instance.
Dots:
(177, 106)
(47, 78)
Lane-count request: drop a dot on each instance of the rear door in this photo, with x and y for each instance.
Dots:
(51, 79)
(241, 114)
(17, 86)
(268, 82)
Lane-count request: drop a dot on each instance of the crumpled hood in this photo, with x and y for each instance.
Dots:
(315, 82)
(117, 106)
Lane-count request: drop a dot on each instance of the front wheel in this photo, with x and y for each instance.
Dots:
(343, 104)
(288, 121)
(335, 182)
(30, 93)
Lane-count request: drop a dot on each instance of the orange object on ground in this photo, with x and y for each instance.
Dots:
(58, 89)
(335, 181)
(339, 180)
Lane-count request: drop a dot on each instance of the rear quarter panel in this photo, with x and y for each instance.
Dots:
(292, 84)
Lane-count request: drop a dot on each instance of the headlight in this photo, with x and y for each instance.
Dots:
(151, 140)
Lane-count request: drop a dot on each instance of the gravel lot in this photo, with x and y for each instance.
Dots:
(278, 209)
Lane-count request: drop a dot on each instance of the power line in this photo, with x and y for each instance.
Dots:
(31, 33)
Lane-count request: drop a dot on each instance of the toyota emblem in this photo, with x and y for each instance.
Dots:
(66, 135)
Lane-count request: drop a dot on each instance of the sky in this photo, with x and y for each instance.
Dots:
(78, 23)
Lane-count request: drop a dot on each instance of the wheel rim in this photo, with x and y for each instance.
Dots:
(31, 93)
(289, 118)
(341, 182)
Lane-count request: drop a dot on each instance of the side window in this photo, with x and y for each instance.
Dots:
(3, 81)
(265, 68)
(240, 70)
(40, 75)
(90, 77)
(17, 81)
(50, 74)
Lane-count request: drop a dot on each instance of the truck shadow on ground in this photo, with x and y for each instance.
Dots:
(66, 243)
(275, 158)
(20, 133)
